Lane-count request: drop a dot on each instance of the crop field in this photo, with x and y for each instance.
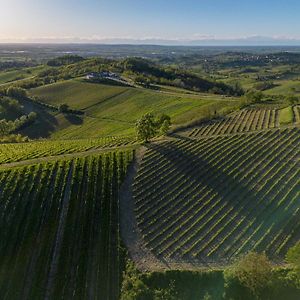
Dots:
(113, 110)
(296, 114)
(245, 120)
(9, 76)
(59, 229)
(24, 151)
(209, 200)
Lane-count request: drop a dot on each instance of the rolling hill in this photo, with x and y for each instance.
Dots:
(113, 110)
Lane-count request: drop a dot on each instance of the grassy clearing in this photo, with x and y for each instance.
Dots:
(286, 116)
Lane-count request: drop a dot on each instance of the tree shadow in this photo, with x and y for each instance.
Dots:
(73, 119)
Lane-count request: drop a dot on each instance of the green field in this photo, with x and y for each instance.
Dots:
(60, 230)
(113, 110)
(88, 211)
(212, 199)
(243, 121)
(10, 76)
(286, 115)
(15, 152)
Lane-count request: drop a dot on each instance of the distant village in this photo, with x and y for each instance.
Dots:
(106, 75)
(102, 75)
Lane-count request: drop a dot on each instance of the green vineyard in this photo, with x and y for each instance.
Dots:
(212, 199)
(24, 151)
(245, 120)
(59, 230)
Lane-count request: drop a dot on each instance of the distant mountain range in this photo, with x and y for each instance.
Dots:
(203, 41)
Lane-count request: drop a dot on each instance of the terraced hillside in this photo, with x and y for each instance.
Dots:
(14, 152)
(208, 200)
(59, 229)
(245, 120)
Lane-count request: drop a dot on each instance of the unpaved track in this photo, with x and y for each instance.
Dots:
(143, 258)
(130, 233)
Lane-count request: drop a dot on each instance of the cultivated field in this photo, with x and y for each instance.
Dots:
(210, 199)
(248, 120)
(113, 110)
(14, 152)
(60, 230)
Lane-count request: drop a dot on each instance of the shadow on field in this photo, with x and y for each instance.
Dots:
(238, 199)
(45, 124)
(73, 119)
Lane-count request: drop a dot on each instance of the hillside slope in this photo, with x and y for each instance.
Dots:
(208, 200)
(113, 110)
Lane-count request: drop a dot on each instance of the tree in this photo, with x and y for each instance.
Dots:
(146, 127)
(254, 97)
(63, 108)
(253, 271)
(16, 92)
(293, 258)
(163, 123)
(292, 99)
(133, 288)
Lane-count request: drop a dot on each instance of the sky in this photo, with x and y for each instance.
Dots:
(164, 20)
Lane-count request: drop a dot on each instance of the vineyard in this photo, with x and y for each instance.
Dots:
(59, 229)
(24, 151)
(245, 120)
(209, 200)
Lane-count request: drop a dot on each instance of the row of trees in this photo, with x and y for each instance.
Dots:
(8, 127)
(250, 277)
(146, 72)
(254, 96)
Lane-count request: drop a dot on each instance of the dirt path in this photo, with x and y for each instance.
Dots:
(59, 235)
(143, 258)
(130, 233)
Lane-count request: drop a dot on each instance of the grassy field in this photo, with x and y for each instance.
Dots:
(113, 110)
(9, 76)
(212, 199)
(286, 115)
(60, 230)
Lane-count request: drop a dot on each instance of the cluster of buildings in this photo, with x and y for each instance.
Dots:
(102, 75)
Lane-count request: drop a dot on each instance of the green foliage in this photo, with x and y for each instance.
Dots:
(70, 206)
(63, 108)
(64, 60)
(133, 288)
(8, 127)
(16, 92)
(286, 115)
(253, 271)
(221, 193)
(293, 100)
(293, 258)
(148, 126)
(254, 97)
(147, 73)
(37, 149)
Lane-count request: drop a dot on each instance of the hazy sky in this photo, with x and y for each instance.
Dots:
(139, 19)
